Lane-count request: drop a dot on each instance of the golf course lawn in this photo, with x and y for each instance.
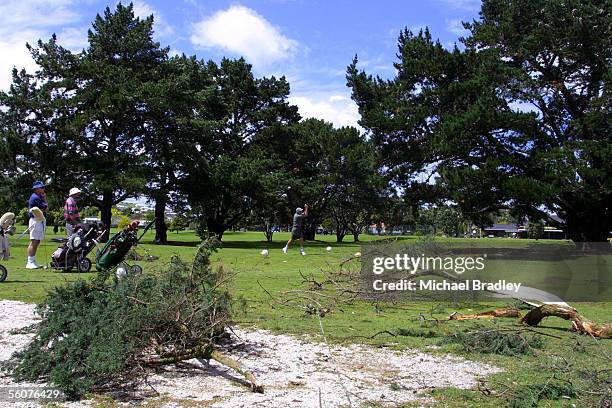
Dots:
(260, 284)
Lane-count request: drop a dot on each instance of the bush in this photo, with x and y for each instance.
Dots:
(410, 332)
(105, 333)
(495, 342)
(178, 223)
(24, 216)
(123, 222)
(529, 395)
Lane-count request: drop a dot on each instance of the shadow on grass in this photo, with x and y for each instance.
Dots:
(8, 282)
(248, 244)
(279, 244)
(191, 244)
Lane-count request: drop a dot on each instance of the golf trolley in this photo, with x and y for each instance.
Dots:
(72, 251)
(113, 253)
(6, 229)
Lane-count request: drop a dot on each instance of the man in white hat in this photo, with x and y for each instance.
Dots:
(71, 210)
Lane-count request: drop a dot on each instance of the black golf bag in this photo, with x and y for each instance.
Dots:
(72, 252)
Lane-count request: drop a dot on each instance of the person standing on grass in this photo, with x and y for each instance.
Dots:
(38, 199)
(297, 231)
(71, 210)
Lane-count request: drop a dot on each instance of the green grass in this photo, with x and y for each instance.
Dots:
(414, 324)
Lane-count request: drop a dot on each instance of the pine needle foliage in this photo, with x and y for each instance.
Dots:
(495, 342)
(105, 333)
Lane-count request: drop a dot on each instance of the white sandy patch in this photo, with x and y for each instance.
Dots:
(295, 372)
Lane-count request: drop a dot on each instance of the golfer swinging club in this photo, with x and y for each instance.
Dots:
(296, 232)
(38, 206)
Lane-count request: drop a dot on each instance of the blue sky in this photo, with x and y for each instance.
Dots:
(310, 42)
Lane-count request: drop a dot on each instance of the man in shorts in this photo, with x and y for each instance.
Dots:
(71, 210)
(296, 231)
(37, 226)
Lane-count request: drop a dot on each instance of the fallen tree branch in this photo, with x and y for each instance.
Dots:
(235, 365)
(579, 323)
(490, 314)
(535, 316)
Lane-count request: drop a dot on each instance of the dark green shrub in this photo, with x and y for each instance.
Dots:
(528, 396)
(104, 334)
(410, 332)
(495, 342)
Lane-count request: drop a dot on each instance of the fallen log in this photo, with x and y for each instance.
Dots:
(579, 323)
(230, 362)
(490, 314)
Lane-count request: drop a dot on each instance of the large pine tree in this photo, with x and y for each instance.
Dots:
(225, 171)
(86, 114)
(519, 118)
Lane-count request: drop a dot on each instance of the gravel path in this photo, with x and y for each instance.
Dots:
(295, 372)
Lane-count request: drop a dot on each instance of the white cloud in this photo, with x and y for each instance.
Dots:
(144, 10)
(16, 55)
(335, 98)
(174, 52)
(28, 18)
(455, 26)
(416, 28)
(27, 21)
(23, 21)
(243, 31)
(468, 5)
(337, 109)
(73, 38)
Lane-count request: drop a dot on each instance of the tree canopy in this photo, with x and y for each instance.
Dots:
(226, 174)
(514, 119)
(518, 117)
(85, 113)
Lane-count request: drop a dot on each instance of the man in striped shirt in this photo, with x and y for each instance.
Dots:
(71, 210)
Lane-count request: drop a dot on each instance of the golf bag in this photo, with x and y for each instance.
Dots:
(72, 252)
(116, 249)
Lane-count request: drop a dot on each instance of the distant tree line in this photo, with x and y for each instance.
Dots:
(516, 121)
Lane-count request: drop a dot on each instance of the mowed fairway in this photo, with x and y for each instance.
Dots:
(259, 282)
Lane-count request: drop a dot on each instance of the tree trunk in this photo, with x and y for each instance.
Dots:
(215, 228)
(230, 362)
(106, 213)
(356, 235)
(508, 312)
(579, 323)
(590, 226)
(161, 229)
(268, 231)
(310, 230)
(339, 235)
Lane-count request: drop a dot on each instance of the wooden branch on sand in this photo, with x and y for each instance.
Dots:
(203, 352)
(579, 323)
(231, 363)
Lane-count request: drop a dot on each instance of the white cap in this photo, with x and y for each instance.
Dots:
(74, 191)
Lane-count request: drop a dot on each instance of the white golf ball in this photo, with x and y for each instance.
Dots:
(265, 252)
(328, 249)
(121, 272)
(357, 254)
